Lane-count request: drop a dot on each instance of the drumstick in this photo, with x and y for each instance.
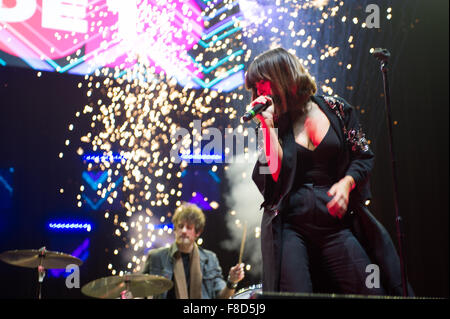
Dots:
(242, 243)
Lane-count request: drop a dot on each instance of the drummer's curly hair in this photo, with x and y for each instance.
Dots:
(189, 213)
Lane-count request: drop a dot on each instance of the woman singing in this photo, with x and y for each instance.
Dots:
(317, 235)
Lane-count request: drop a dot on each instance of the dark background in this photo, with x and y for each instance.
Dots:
(35, 113)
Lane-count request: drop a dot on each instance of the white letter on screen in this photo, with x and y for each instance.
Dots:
(67, 15)
(23, 10)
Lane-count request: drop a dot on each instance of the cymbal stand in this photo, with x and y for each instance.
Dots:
(41, 271)
(126, 294)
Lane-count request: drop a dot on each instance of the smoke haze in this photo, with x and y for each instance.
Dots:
(243, 201)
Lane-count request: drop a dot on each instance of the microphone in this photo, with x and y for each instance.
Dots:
(258, 108)
(381, 54)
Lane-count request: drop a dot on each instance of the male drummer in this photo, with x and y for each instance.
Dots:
(195, 271)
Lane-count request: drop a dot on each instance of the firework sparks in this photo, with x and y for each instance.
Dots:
(134, 108)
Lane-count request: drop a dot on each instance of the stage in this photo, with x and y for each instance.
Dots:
(111, 119)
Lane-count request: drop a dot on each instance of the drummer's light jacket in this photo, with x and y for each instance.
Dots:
(160, 262)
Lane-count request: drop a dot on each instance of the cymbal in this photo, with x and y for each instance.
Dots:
(33, 258)
(140, 285)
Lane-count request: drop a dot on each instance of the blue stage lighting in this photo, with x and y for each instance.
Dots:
(70, 226)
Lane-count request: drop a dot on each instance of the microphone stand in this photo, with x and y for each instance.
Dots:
(383, 56)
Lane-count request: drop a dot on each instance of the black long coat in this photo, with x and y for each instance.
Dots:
(356, 160)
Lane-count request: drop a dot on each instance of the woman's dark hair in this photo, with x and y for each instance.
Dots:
(292, 85)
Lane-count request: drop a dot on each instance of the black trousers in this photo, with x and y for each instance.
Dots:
(319, 252)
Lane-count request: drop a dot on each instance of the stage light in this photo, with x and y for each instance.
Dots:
(200, 157)
(70, 226)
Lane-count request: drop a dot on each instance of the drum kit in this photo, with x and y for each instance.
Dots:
(250, 292)
(128, 286)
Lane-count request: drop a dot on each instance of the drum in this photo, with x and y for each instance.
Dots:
(248, 292)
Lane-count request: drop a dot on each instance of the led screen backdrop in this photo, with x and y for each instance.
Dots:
(88, 36)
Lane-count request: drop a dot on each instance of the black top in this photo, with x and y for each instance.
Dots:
(354, 158)
(318, 167)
